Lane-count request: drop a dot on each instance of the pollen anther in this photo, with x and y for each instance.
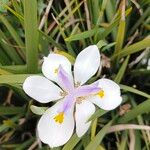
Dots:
(100, 94)
(56, 70)
(59, 118)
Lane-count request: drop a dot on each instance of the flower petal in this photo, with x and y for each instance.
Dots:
(65, 81)
(51, 64)
(86, 90)
(54, 133)
(111, 97)
(41, 89)
(68, 103)
(86, 64)
(82, 114)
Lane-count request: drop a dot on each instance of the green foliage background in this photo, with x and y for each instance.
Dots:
(121, 31)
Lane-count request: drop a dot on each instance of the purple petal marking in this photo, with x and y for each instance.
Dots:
(87, 90)
(65, 80)
(68, 103)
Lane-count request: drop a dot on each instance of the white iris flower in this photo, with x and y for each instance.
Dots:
(75, 100)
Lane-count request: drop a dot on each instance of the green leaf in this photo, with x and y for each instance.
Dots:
(25, 144)
(83, 35)
(31, 35)
(2, 3)
(110, 28)
(108, 46)
(5, 110)
(16, 69)
(20, 17)
(123, 143)
(9, 50)
(139, 110)
(133, 90)
(134, 48)
(101, 43)
(99, 137)
(13, 32)
(122, 70)
(72, 142)
(70, 57)
(7, 123)
(13, 79)
(4, 72)
(38, 110)
(120, 36)
(50, 40)
(97, 114)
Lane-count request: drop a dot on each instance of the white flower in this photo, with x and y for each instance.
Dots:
(56, 126)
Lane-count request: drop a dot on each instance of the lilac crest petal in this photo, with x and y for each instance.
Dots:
(65, 80)
(87, 90)
(68, 103)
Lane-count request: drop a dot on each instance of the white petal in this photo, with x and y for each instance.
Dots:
(53, 133)
(82, 114)
(108, 103)
(86, 64)
(41, 89)
(109, 85)
(111, 98)
(51, 64)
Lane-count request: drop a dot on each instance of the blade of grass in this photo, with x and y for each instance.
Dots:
(133, 90)
(50, 40)
(121, 31)
(123, 142)
(31, 35)
(16, 69)
(13, 79)
(83, 35)
(5, 126)
(110, 13)
(134, 48)
(95, 11)
(71, 143)
(122, 70)
(11, 52)
(97, 114)
(11, 110)
(12, 32)
(66, 18)
(93, 128)
(25, 144)
(139, 110)
(110, 28)
(140, 20)
(99, 137)
(4, 59)
(20, 17)
(141, 122)
(4, 72)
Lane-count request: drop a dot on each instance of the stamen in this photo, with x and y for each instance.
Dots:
(63, 94)
(56, 70)
(77, 84)
(79, 100)
(100, 94)
(59, 118)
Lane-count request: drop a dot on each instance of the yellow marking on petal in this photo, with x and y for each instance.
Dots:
(100, 94)
(56, 70)
(59, 118)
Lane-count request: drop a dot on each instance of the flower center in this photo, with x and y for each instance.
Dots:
(79, 99)
(77, 84)
(63, 94)
(101, 94)
(59, 118)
